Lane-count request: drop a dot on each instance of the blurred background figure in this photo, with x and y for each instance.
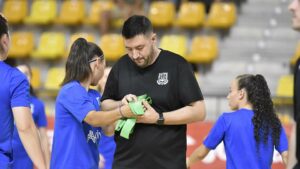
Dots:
(121, 11)
(21, 158)
(294, 7)
(107, 144)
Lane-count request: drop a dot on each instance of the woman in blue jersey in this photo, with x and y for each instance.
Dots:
(14, 106)
(21, 158)
(251, 132)
(78, 119)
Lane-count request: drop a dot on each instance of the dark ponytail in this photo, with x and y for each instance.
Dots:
(265, 120)
(77, 66)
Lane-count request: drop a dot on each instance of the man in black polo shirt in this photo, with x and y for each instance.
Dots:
(159, 137)
(295, 9)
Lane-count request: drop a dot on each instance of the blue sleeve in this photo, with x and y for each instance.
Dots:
(77, 102)
(42, 119)
(19, 89)
(216, 134)
(283, 142)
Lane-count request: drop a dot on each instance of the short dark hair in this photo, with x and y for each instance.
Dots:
(136, 25)
(78, 65)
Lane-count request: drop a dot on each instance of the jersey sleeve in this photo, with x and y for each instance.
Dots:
(283, 142)
(19, 89)
(77, 102)
(42, 119)
(111, 87)
(189, 90)
(216, 135)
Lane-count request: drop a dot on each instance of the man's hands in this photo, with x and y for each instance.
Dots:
(128, 98)
(150, 116)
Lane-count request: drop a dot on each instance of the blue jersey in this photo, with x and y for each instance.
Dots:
(75, 143)
(21, 158)
(236, 131)
(14, 92)
(107, 148)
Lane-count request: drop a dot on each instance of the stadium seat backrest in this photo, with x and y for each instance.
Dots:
(51, 45)
(285, 86)
(22, 44)
(162, 13)
(97, 7)
(174, 43)
(191, 14)
(15, 11)
(42, 12)
(222, 15)
(54, 78)
(72, 12)
(113, 46)
(35, 78)
(204, 49)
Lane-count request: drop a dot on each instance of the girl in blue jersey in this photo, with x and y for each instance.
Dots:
(251, 132)
(14, 106)
(21, 158)
(78, 119)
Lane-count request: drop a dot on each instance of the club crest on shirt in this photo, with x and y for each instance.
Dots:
(93, 136)
(162, 78)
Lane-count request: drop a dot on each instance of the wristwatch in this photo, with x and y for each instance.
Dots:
(161, 119)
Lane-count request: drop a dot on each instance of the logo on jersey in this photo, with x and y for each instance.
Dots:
(98, 100)
(31, 108)
(93, 136)
(162, 78)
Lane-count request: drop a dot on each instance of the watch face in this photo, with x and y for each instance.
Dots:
(161, 119)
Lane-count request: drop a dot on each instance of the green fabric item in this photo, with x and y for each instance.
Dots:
(126, 126)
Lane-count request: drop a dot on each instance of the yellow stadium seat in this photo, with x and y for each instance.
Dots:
(285, 86)
(42, 12)
(191, 15)
(15, 11)
(222, 15)
(296, 55)
(162, 13)
(174, 43)
(54, 78)
(51, 46)
(89, 37)
(97, 7)
(112, 46)
(22, 44)
(72, 12)
(204, 49)
(36, 78)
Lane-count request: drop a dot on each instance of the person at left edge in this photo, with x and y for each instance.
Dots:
(14, 107)
(77, 111)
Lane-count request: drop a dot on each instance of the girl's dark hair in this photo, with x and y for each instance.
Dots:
(265, 120)
(78, 62)
(3, 25)
(3, 29)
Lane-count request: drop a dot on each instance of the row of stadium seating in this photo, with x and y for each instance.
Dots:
(161, 13)
(203, 49)
(55, 76)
